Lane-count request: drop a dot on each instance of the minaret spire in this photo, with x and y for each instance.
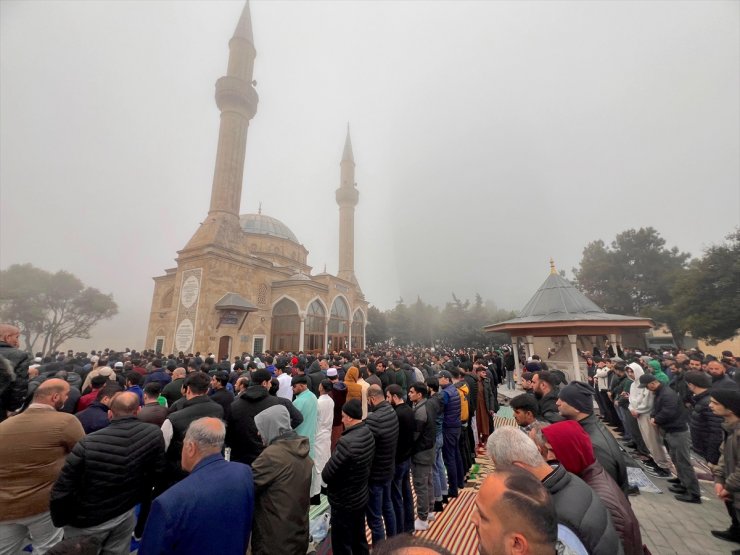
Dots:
(347, 198)
(237, 100)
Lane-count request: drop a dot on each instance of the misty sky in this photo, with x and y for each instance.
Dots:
(488, 136)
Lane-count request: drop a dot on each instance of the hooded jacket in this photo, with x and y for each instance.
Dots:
(241, 431)
(13, 378)
(641, 399)
(348, 470)
(282, 482)
(572, 447)
(658, 372)
(357, 388)
(706, 428)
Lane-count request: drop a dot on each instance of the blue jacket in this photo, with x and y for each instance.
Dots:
(94, 417)
(188, 518)
(451, 403)
(159, 375)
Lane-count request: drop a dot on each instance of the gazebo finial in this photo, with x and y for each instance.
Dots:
(553, 270)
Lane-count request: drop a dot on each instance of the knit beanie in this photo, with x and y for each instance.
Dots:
(728, 398)
(353, 409)
(578, 395)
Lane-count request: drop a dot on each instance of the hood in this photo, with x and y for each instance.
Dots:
(341, 386)
(571, 445)
(637, 369)
(655, 365)
(353, 374)
(298, 445)
(255, 393)
(272, 423)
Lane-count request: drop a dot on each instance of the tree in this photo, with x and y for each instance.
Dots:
(50, 308)
(377, 327)
(707, 296)
(634, 276)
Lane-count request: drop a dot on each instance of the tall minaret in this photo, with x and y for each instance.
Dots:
(237, 100)
(347, 197)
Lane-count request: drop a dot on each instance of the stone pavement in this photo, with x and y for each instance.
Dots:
(670, 527)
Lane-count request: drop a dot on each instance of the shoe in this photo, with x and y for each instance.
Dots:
(431, 516)
(688, 498)
(316, 500)
(729, 535)
(438, 507)
(677, 489)
(421, 525)
(138, 538)
(445, 499)
(633, 490)
(630, 445)
(663, 473)
(673, 481)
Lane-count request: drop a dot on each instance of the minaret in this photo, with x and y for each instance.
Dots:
(237, 100)
(347, 197)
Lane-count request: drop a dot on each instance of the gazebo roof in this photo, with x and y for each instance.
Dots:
(557, 303)
(233, 301)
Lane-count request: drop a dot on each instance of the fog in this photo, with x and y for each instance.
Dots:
(488, 136)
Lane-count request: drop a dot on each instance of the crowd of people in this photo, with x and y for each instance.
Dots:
(189, 454)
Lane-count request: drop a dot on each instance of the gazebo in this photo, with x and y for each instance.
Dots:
(558, 309)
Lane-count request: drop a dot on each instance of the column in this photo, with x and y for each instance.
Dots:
(302, 332)
(613, 341)
(515, 348)
(576, 358)
(530, 345)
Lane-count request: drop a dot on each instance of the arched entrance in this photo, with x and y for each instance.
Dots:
(315, 327)
(286, 326)
(224, 347)
(339, 325)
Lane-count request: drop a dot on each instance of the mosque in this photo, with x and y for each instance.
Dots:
(242, 283)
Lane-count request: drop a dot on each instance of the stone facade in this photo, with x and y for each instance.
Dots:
(242, 283)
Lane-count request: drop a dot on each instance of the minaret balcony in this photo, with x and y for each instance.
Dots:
(236, 95)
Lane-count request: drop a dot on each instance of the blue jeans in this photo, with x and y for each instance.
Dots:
(403, 502)
(451, 455)
(440, 474)
(510, 380)
(379, 508)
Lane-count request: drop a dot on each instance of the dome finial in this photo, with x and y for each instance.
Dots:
(259, 211)
(553, 271)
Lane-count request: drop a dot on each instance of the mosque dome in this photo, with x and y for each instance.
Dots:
(260, 224)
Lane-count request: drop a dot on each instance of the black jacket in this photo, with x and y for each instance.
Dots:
(669, 414)
(383, 423)
(425, 432)
(154, 413)
(107, 473)
(347, 472)
(606, 450)
(241, 431)
(13, 378)
(549, 409)
(579, 508)
(192, 409)
(223, 397)
(406, 428)
(472, 382)
(723, 382)
(706, 428)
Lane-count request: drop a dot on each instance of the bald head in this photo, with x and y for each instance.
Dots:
(375, 392)
(124, 404)
(9, 334)
(204, 437)
(178, 373)
(52, 392)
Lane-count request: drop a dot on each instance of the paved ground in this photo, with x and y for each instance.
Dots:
(670, 527)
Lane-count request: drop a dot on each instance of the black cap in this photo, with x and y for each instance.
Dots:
(646, 379)
(353, 409)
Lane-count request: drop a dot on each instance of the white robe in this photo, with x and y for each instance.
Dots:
(322, 444)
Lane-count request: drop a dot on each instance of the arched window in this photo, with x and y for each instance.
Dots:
(339, 325)
(315, 327)
(286, 326)
(358, 331)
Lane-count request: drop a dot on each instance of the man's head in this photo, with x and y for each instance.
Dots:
(261, 377)
(241, 385)
(648, 381)
(543, 383)
(52, 392)
(300, 384)
(725, 403)
(352, 413)
(445, 378)
(716, 369)
(133, 379)
(695, 363)
(323, 364)
(525, 409)
(219, 380)
(325, 387)
(527, 384)
(509, 446)
(576, 401)
(272, 423)
(178, 373)
(514, 514)
(10, 334)
(417, 392)
(107, 392)
(394, 394)
(152, 391)
(196, 384)
(204, 437)
(123, 404)
(380, 366)
(697, 382)
(375, 395)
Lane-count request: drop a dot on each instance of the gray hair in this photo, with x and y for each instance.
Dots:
(207, 434)
(508, 445)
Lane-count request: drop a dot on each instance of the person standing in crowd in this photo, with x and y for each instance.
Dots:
(576, 402)
(106, 475)
(13, 374)
(451, 432)
(672, 419)
(89, 398)
(577, 506)
(347, 476)
(95, 417)
(545, 387)
(173, 390)
(307, 404)
(282, 480)
(704, 425)
(726, 404)
(439, 476)
(513, 513)
(422, 453)
(197, 405)
(357, 388)
(403, 502)
(33, 447)
(525, 409)
(133, 381)
(509, 367)
(220, 393)
(464, 459)
(383, 423)
(285, 389)
(324, 423)
(487, 403)
(152, 411)
(338, 394)
(181, 520)
(720, 379)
